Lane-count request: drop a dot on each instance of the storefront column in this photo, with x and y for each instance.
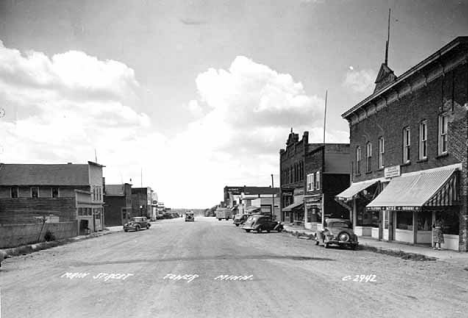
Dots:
(354, 214)
(415, 227)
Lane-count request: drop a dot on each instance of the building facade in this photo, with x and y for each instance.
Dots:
(409, 152)
(118, 204)
(240, 198)
(52, 193)
(142, 202)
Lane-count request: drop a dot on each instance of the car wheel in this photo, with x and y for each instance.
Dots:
(268, 231)
(316, 240)
(344, 237)
(219, 219)
(280, 229)
(137, 228)
(248, 231)
(237, 224)
(147, 227)
(259, 229)
(327, 245)
(125, 230)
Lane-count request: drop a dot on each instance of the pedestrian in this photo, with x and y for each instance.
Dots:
(437, 234)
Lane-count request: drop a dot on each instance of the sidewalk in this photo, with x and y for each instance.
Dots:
(30, 248)
(407, 251)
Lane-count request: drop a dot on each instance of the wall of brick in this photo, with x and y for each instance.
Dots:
(446, 94)
(21, 234)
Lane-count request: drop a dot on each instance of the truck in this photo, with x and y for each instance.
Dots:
(223, 213)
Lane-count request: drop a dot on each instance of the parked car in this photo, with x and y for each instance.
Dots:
(137, 223)
(337, 232)
(240, 219)
(260, 223)
(189, 217)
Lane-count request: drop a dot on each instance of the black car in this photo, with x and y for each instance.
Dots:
(262, 223)
(337, 232)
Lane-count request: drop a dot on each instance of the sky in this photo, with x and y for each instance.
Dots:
(188, 97)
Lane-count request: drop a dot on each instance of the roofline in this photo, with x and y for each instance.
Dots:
(444, 50)
(96, 164)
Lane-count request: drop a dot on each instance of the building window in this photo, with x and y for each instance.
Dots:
(368, 157)
(443, 127)
(14, 192)
(55, 192)
(317, 180)
(358, 160)
(381, 152)
(406, 144)
(310, 182)
(423, 140)
(34, 192)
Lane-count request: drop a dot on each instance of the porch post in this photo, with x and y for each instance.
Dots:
(415, 227)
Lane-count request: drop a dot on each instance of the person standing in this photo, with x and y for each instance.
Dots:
(437, 234)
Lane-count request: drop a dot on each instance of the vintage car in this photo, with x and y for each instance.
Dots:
(189, 217)
(137, 223)
(337, 232)
(240, 219)
(260, 223)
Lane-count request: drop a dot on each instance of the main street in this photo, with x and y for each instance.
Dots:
(211, 268)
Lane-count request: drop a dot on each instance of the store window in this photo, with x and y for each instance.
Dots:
(450, 219)
(423, 140)
(55, 192)
(406, 144)
(317, 180)
(424, 221)
(404, 220)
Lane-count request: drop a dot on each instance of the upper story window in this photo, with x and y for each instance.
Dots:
(443, 128)
(55, 192)
(317, 180)
(358, 160)
(310, 182)
(14, 192)
(368, 157)
(423, 140)
(34, 192)
(381, 152)
(406, 144)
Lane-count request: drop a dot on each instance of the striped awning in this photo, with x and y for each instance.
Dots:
(354, 189)
(416, 191)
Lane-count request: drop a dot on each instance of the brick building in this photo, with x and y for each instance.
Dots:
(310, 176)
(142, 202)
(327, 173)
(118, 204)
(409, 152)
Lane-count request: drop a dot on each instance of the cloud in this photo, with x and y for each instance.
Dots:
(73, 74)
(360, 81)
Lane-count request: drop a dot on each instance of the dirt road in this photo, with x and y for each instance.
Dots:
(211, 268)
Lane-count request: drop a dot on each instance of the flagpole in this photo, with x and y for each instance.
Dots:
(325, 117)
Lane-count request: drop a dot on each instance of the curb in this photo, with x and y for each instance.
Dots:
(31, 248)
(364, 247)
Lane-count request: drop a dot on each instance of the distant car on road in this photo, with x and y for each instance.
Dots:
(189, 217)
(260, 223)
(240, 219)
(337, 232)
(223, 213)
(137, 223)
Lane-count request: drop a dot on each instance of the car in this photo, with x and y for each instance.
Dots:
(337, 232)
(189, 217)
(137, 223)
(240, 219)
(260, 223)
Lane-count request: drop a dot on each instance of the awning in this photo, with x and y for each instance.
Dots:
(354, 189)
(290, 207)
(415, 191)
(251, 209)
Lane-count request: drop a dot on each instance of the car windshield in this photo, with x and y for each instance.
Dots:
(339, 224)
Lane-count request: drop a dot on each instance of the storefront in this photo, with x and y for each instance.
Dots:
(313, 212)
(294, 213)
(356, 198)
(411, 203)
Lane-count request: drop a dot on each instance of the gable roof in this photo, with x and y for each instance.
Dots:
(44, 174)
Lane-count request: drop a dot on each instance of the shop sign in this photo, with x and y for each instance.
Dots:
(394, 208)
(391, 172)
